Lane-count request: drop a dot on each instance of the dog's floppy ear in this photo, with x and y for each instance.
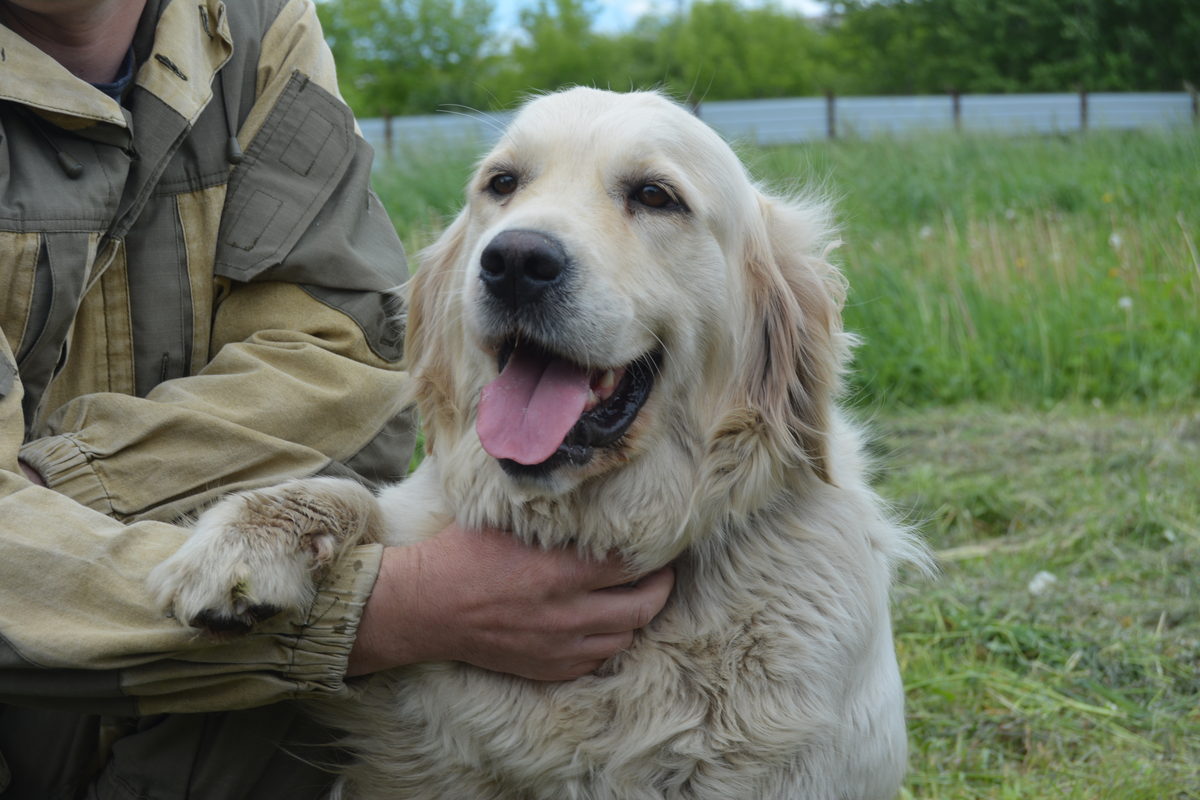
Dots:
(795, 348)
(432, 334)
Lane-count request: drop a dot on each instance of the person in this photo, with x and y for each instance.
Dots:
(196, 300)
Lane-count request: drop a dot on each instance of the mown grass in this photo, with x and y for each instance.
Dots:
(1030, 310)
(1087, 686)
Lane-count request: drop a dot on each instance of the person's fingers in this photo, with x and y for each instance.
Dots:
(603, 646)
(592, 653)
(562, 571)
(556, 673)
(586, 574)
(621, 609)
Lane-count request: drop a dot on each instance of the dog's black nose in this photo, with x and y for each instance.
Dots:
(519, 266)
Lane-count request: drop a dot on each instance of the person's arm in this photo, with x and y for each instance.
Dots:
(79, 629)
(293, 391)
(302, 378)
(303, 375)
(305, 342)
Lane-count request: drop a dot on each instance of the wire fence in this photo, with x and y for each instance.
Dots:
(800, 119)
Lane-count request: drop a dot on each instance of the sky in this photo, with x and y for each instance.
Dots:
(617, 15)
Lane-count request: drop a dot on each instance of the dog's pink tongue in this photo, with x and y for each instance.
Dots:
(525, 413)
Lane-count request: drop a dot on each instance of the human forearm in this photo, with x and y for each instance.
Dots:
(272, 405)
(79, 629)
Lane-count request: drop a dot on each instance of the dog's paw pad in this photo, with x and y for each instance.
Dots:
(241, 620)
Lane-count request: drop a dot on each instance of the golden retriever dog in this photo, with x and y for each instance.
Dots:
(623, 340)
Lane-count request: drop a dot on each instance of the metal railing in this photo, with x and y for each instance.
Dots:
(800, 119)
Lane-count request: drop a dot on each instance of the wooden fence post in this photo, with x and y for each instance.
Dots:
(389, 152)
(956, 108)
(1191, 89)
(831, 115)
(1083, 110)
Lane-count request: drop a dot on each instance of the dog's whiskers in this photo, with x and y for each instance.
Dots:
(662, 346)
(493, 121)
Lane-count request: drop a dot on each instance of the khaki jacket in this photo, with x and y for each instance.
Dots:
(177, 322)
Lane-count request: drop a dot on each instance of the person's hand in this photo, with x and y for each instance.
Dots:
(31, 474)
(485, 598)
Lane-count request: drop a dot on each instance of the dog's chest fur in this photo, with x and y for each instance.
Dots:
(722, 696)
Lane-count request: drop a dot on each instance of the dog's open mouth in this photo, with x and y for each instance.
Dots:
(544, 411)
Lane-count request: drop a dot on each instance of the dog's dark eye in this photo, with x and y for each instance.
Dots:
(653, 195)
(504, 183)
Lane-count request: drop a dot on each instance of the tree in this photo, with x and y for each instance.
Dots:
(412, 56)
(924, 46)
(721, 50)
(713, 50)
(408, 56)
(558, 47)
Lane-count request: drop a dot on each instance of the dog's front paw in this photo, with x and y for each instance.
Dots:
(252, 556)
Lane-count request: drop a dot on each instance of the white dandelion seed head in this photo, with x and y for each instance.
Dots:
(1041, 583)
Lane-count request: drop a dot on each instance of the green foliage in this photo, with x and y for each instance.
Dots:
(414, 56)
(721, 49)
(930, 46)
(407, 56)
(718, 49)
(557, 48)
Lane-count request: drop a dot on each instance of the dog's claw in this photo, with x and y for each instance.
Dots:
(245, 618)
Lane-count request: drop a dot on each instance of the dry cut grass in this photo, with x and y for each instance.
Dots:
(1058, 653)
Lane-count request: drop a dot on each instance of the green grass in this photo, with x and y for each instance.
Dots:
(1030, 309)
(1019, 271)
(1090, 688)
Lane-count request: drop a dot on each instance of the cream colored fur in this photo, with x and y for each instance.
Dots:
(771, 672)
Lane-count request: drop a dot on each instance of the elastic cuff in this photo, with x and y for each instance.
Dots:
(65, 467)
(322, 651)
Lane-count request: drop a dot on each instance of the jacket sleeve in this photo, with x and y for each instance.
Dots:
(79, 630)
(304, 376)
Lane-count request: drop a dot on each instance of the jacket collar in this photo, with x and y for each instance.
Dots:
(190, 43)
(31, 78)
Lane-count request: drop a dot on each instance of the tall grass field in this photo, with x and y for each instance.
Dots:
(1029, 309)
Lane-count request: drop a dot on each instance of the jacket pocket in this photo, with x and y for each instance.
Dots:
(290, 170)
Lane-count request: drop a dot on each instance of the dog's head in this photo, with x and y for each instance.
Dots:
(621, 333)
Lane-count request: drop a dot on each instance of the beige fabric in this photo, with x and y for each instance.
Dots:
(200, 221)
(195, 51)
(18, 257)
(280, 385)
(295, 36)
(32, 79)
